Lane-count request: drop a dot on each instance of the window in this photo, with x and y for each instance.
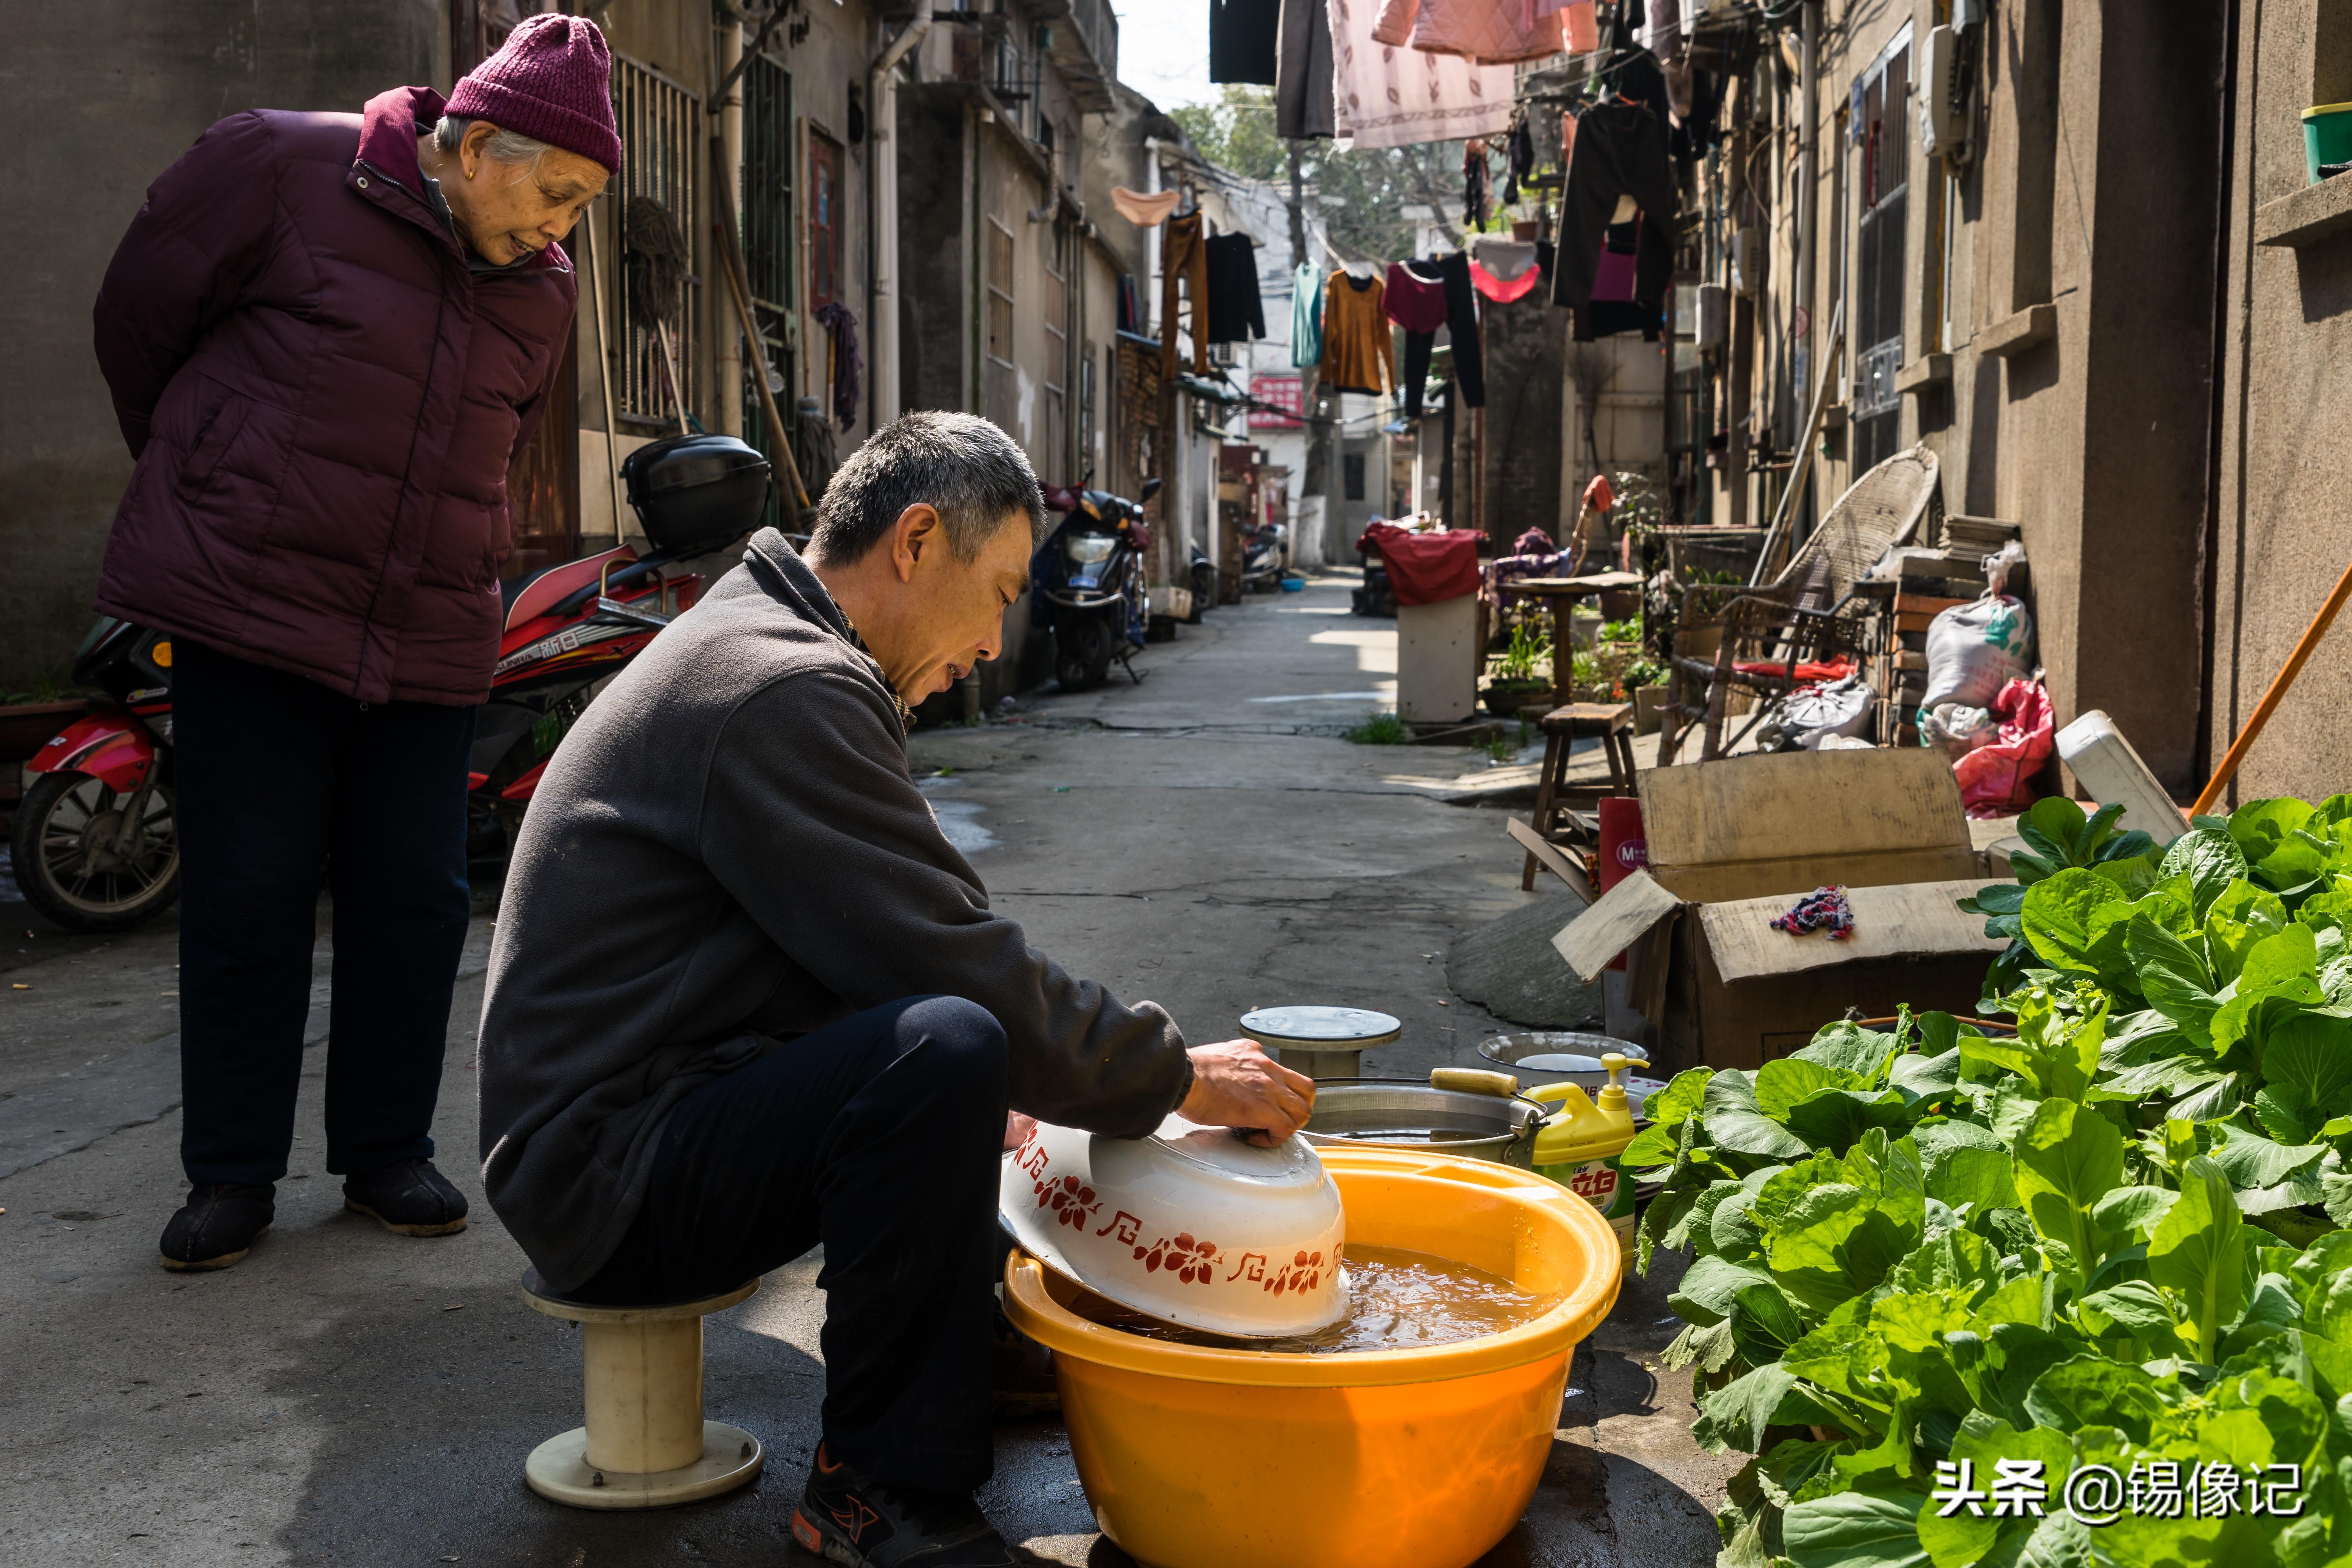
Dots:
(1351, 476)
(768, 249)
(1000, 292)
(825, 220)
(1883, 191)
(664, 151)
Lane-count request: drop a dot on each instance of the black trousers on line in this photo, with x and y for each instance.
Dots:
(1461, 330)
(275, 779)
(878, 1136)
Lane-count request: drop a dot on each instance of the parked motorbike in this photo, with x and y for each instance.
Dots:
(1262, 558)
(95, 845)
(1204, 584)
(1087, 584)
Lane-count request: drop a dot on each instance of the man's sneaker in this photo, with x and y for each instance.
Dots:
(410, 1198)
(218, 1226)
(844, 1518)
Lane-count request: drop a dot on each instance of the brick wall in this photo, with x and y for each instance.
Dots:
(1525, 342)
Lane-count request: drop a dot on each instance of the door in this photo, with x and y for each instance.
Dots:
(1880, 127)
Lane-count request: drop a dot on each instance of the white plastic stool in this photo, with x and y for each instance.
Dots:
(646, 1444)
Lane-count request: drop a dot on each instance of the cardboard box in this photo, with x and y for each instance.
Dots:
(1733, 843)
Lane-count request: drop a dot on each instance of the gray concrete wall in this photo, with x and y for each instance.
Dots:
(101, 98)
(2285, 497)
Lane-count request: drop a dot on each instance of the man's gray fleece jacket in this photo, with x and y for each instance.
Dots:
(728, 852)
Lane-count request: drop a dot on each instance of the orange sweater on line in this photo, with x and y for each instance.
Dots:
(1357, 352)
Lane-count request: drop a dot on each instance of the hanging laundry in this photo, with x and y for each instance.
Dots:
(1504, 270)
(1621, 150)
(848, 366)
(1184, 254)
(1519, 155)
(1236, 314)
(1613, 307)
(1440, 296)
(1306, 317)
(1388, 96)
(1580, 28)
(1481, 30)
(1667, 41)
(1131, 304)
(1144, 209)
(1357, 355)
(1242, 40)
(1474, 184)
(1302, 78)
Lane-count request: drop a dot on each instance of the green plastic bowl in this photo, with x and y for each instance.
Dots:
(2326, 137)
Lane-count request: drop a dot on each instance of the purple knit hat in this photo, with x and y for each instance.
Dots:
(552, 82)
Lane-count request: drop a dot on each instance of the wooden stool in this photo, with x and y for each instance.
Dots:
(1562, 727)
(646, 1444)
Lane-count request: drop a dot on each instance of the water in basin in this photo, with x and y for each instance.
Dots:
(1397, 1300)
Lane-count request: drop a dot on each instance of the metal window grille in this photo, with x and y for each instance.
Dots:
(767, 212)
(662, 142)
(1000, 292)
(1058, 367)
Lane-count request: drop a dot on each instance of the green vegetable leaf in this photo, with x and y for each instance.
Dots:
(1962, 1538)
(2068, 1157)
(1737, 1123)
(2250, 1159)
(1764, 1322)
(1833, 1118)
(1781, 1084)
(2241, 917)
(2091, 1390)
(2209, 858)
(2172, 976)
(1708, 1288)
(2133, 1211)
(1739, 1413)
(2199, 1252)
(1848, 1048)
(1873, 1529)
(2057, 914)
(1979, 1178)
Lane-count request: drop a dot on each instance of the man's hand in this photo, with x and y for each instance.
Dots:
(1236, 1084)
(1016, 1128)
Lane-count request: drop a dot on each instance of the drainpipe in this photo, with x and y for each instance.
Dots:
(1808, 228)
(882, 221)
(730, 335)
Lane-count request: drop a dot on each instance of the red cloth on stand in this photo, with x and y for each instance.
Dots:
(1426, 568)
(1807, 670)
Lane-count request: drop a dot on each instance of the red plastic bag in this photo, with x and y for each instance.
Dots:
(1997, 778)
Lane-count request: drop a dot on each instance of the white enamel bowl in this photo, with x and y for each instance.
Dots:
(1190, 1225)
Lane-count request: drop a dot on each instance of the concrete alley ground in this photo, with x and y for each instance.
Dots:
(1205, 839)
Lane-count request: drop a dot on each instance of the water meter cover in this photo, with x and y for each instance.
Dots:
(1329, 1028)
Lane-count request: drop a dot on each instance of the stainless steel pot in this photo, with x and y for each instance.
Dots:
(1402, 1113)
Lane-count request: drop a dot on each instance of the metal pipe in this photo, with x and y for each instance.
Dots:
(604, 374)
(1808, 211)
(882, 220)
(727, 351)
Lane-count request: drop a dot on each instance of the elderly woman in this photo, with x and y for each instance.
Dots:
(326, 334)
(745, 999)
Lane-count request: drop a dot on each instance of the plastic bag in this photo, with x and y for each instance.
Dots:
(1997, 779)
(1956, 728)
(1836, 708)
(1974, 649)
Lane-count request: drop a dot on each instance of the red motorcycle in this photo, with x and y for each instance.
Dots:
(96, 848)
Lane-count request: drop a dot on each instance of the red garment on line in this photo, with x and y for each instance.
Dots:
(1426, 568)
(1837, 668)
(1503, 291)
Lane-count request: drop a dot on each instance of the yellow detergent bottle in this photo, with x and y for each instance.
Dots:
(1579, 1144)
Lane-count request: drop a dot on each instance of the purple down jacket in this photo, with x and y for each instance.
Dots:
(324, 401)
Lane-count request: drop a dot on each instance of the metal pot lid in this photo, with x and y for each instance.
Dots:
(1322, 1029)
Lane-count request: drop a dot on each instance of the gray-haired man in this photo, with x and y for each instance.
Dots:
(745, 999)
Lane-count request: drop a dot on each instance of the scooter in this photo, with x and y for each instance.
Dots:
(1087, 584)
(95, 845)
(1262, 559)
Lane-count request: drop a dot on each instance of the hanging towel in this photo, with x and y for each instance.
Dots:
(848, 366)
(1483, 31)
(1144, 209)
(1236, 314)
(1357, 353)
(1387, 97)
(1184, 256)
(1306, 317)
(1242, 40)
(1302, 84)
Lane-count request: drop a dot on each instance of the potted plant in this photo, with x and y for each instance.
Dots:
(1520, 673)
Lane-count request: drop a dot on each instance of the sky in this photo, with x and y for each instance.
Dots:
(1163, 51)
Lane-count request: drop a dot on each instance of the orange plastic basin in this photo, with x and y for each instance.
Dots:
(1194, 1458)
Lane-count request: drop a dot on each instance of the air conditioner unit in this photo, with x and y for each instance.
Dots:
(1226, 356)
(1713, 325)
(1746, 260)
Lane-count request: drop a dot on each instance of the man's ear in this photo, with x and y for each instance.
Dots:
(917, 527)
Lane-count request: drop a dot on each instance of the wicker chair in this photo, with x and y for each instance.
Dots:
(1810, 613)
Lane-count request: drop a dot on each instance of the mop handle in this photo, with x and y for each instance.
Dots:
(2271, 698)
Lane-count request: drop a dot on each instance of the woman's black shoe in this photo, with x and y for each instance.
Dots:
(218, 1226)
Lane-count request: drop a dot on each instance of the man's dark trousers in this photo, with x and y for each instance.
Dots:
(278, 779)
(878, 1136)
